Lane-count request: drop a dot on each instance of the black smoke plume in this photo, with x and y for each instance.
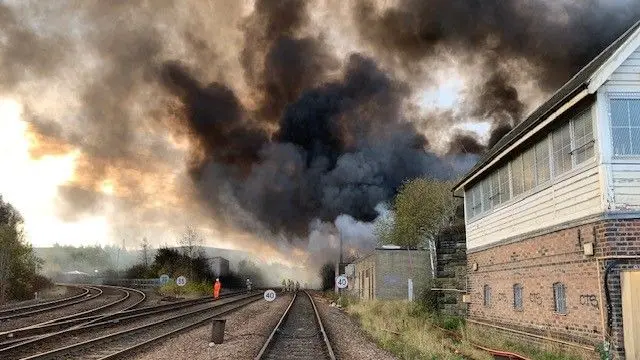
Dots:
(281, 127)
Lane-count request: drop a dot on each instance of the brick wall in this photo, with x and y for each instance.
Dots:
(618, 238)
(536, 264)
(539, 262)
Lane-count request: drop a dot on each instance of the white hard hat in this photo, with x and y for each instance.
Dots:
(217, 279)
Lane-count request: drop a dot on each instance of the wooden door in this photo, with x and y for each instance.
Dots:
(631, 313)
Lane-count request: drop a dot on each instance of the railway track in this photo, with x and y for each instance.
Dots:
(106, 299)
(496, 354)
(131, 299)
(299, 334)
(87, 294)
(120, 344)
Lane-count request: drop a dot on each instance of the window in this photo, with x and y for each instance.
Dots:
(505, 191)
(559, 298)
(486, 195)
(543, 171)
(562, 150)
(625, 126)
(517, 297)
(476, 206)
(495, 189)
(582, 138)
(529, 169)
(516, 176)
(487, 295)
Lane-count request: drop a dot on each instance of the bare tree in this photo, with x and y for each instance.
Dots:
(191, 244)
(145, 252)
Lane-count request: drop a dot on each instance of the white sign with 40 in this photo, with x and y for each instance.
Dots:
(342, 282)
(269, 295)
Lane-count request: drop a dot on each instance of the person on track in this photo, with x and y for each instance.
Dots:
(297, 286)
(216, 289)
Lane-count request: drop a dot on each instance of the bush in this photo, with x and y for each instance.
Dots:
(192, 288)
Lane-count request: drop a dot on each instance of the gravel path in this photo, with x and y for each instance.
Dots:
(348, 340)
(245, 332)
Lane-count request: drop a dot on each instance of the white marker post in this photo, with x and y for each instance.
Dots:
(269, 295)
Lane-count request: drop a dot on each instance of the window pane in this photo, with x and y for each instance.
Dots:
(634, 112)
(542, 161)
(486, 195)
(495, 188)
(505, 191)
(487, 295)
(517, 296)
(516, 176)
(477, 208)
(583, 137)
(635, 141)
(559, 298)
(561, 150)
(528, 164)
(621, 143)
(468, 204)
(619, 113)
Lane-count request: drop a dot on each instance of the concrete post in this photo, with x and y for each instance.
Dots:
(217, 331)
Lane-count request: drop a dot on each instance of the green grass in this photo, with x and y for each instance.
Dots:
(499, 342)
(407, 331)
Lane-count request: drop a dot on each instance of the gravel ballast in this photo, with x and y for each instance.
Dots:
(348, 340)
(245, 332)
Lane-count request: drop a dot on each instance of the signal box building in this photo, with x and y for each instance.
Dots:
(552, 216)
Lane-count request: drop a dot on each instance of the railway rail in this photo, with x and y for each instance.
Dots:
(496, 354)
(132, 298)
(87, 294)
(299, 333)
(122, 343)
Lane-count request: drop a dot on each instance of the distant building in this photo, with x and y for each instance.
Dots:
(553, 215)
(384, 274)
(220, 266)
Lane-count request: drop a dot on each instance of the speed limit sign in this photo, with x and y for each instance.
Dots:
(181, 281)
(342, 282)
(269, 295)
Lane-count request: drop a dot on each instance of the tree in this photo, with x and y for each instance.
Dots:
(144, 252)
(423, 208)
(191, 243)
(18, 265)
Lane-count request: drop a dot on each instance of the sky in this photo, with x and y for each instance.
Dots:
(263, 123)
(32, 184)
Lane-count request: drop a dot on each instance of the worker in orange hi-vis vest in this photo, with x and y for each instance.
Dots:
(216, 289)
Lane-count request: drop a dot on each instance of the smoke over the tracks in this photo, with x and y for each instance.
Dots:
(265, 117)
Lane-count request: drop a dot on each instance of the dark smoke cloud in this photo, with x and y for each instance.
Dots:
(279, 128)
(328, 157)
(556, 38)
(465, 143)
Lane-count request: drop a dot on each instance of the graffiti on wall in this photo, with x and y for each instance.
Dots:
(535, 298)
(589, 300)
